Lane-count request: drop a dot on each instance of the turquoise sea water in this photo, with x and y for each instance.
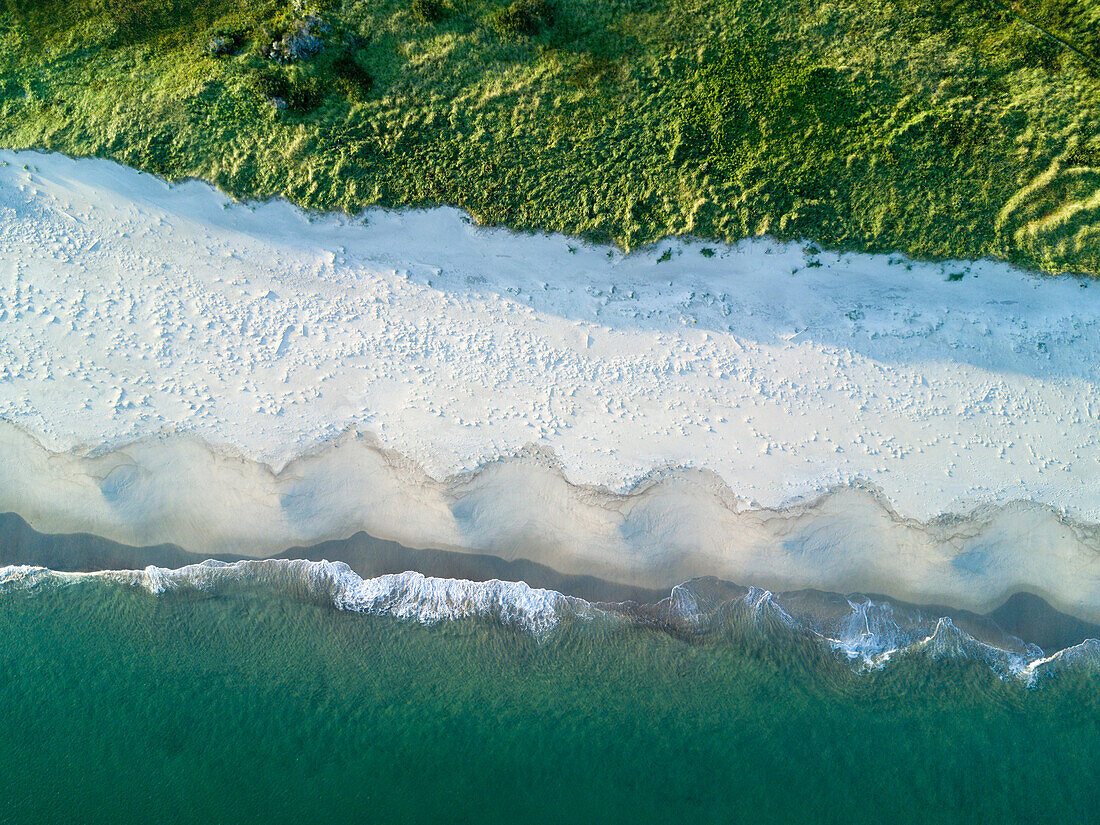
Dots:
(258, 701)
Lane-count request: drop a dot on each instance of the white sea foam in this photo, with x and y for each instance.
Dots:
(1083, 654)
(870, 635)
(427, 599)
(410, 595)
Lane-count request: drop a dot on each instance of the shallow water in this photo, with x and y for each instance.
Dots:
(254, 700)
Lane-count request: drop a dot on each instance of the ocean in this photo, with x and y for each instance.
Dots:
(272, 692)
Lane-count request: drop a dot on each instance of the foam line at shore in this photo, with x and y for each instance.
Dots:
(131, 308)
(869, 635)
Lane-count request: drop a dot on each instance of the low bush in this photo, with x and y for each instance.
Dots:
(430, 11)
(524, 18)
(225, 42)
(269, 83)
(304, 96)
(354, 80)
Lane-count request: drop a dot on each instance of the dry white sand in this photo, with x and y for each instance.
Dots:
(233, 342)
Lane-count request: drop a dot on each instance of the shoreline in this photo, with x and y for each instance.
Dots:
(1022, 615)
(675, 526)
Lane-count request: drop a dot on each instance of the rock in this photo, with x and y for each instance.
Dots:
(219, 45)
(300, 41)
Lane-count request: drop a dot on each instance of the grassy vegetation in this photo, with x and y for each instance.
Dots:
(941, 128)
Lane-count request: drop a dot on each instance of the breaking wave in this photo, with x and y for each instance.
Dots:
(865, 634)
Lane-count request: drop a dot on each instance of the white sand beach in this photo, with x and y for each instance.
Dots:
(179, 367)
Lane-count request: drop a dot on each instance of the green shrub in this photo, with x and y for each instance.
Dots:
(524, 18)
(269, 83)
(430, 11)
(298, 96)
(351, 77)
(1032, 48)
(224, 42)
(304, 96)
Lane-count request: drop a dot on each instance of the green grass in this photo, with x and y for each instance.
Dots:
(938, 128)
